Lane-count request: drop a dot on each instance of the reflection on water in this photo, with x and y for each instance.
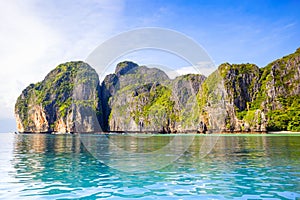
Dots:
(127, 152)
(60, 166)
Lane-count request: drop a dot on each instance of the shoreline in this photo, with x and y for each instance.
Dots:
(283, 132)
(161, 133)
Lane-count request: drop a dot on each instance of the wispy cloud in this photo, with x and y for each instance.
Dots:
(25, 42)
(38, 35)
(205, 68)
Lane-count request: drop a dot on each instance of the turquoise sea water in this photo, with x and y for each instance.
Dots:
(72, 166)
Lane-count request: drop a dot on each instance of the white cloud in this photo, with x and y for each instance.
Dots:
(24, 43)
(38, 35)
(187, 70)
(205, 68)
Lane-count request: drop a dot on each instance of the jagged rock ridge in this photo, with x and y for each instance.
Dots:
(138, 98)
(145, 99)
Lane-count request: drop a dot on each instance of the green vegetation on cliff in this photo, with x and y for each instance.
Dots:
(273, 90)
(55, 95)
(159, 107)
(286, 118)
(279, 93)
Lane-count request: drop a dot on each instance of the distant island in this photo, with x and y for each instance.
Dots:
(140, 99)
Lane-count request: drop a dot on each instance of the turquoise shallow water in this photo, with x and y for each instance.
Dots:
(72, 166)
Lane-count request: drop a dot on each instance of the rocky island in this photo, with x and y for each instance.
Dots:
(139, 98)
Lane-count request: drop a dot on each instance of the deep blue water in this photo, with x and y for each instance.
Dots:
(156, 167)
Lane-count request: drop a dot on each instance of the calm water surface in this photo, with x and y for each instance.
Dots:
(62, 167)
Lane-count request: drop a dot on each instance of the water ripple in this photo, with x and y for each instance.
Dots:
(59, 167)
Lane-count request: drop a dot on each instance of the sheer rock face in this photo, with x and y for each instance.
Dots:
(145, 99)
(280, 79)
(279, 95)
(263, 99)
(122, 92)
(185, 91)
(52, 105)
(241, 82)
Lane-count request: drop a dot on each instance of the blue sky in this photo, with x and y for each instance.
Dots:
(37, 35)
(233, 31)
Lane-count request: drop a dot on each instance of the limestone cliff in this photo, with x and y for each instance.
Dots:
(234, 98)
(122, 93)
(62, 102)
(279, 94)
(184, 92)
(241, 82)
(139, 98)
(263, 99)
